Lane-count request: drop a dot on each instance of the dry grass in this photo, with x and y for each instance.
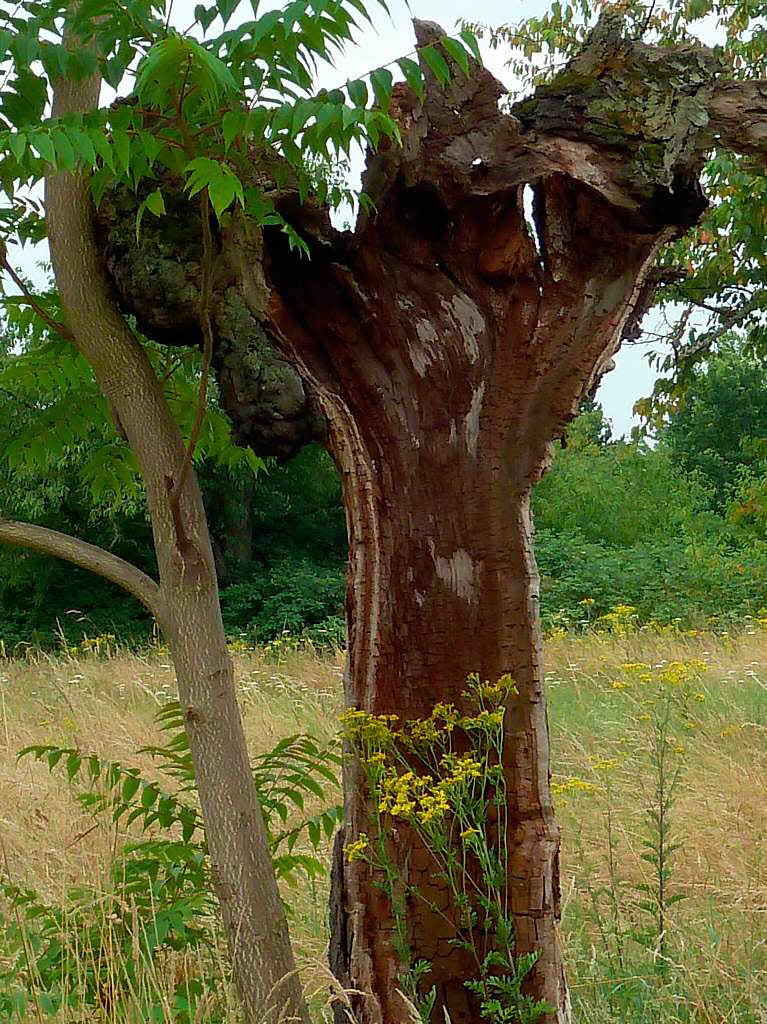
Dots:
(717, 935)
(107, 706)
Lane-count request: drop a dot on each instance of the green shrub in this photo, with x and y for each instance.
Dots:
(125, 951)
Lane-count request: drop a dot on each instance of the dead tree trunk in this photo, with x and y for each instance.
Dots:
(458, 351)
(448, 340)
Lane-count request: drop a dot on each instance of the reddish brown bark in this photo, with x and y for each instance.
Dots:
(447, 343)
(452, 354)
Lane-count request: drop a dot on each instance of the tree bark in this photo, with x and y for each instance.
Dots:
(448, 340)
(440, 419)
(187, 608)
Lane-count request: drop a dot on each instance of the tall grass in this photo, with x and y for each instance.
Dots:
(704, 959)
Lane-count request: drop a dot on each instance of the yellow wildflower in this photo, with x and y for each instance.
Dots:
(423, 730)
(604, 764)
(571, 785)
(486, 720)
(432, 805)
(356, 850)
(364, 729)
(446, 713)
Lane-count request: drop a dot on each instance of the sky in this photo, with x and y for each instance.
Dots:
(391, 37)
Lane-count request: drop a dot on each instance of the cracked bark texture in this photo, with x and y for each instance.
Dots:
(446, 341)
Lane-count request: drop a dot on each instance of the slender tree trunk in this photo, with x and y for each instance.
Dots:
(187, 606)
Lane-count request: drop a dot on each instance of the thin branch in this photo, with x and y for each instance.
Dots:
(207, 333)
(87, 556)
(171, 366)
(55, 325)
(646, 22)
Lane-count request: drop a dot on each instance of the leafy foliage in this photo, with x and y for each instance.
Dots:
(205, 104)
(717, 419)
(87, 954)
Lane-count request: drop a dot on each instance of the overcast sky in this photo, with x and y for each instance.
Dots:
(391, 37)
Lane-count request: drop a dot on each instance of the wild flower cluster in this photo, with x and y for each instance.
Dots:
(442, 778)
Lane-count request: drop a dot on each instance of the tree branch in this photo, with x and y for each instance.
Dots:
(87, 556)
(738, 115)
(55, 325)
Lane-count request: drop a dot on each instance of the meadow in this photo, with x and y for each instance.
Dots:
(659, 761)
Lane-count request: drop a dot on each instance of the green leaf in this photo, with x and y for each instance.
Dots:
(471, 42)
(84, 146)
(222, 184)
(382, 80)
(122, 143)
(73, 765)
(226, 8)
(64, 149)
(437, 64)
(18, 143)
(205, 15)
(232, 124)
(358, 92)
(130, 787)
(41, 141)
(457, 51)
(54, 756)
(149, 796)
(413, 75)
(100, 181)
(265, 25)
(155, 203)
(101, 145)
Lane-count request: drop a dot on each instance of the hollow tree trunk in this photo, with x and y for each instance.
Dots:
(448, 341)
(457, 353)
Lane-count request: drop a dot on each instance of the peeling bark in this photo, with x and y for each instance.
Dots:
(447, 341)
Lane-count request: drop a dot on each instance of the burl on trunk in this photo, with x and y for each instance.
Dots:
(447, 340)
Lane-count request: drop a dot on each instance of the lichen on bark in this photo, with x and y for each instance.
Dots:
(648, 103)
(157, 276)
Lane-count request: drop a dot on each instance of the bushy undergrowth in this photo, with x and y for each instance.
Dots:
(665, 579)
(147, 946)
(615, 523)
(659, 769)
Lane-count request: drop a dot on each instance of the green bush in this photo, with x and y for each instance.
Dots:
(293, 595)
(665, 579)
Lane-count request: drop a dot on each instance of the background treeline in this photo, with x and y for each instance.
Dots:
(675, 528)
